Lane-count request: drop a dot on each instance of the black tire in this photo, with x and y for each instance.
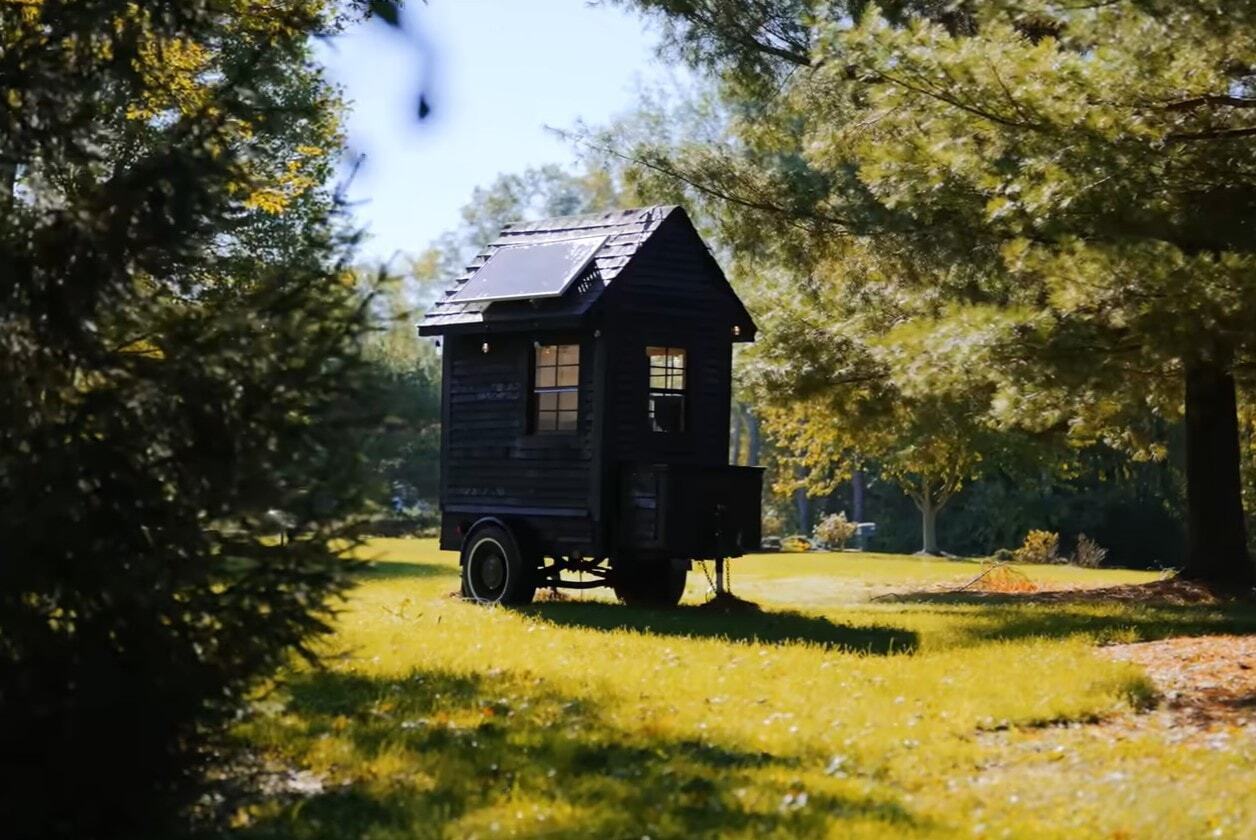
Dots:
(655, 583)
(494, 570)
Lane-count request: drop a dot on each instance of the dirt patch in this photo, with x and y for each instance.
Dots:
(552, 596)
(1206, 690)
(1206, 682)
(727, 602)
(1172, 592)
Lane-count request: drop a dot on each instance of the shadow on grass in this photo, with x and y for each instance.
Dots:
(696, 622)
(440, 754)
(981, 618)
(390, 569)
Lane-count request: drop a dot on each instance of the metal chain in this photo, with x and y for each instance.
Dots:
(705, 571)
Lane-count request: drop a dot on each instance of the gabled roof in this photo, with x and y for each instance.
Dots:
(626, 231)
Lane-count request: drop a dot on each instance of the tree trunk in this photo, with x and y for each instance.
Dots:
(928, 505)
(8, 183)
(857, 506)
(929, 527)
(734, 454)
(802, 503)
(1216, 536)
(754, 439)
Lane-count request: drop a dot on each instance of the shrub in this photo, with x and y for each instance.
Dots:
(1039, 547)
(1089, 554)
(796, 542)
(834, 531)
(1003, 555)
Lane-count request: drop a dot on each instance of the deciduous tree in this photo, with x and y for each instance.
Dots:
(838, 393)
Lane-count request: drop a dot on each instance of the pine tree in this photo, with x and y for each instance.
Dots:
(178, 363)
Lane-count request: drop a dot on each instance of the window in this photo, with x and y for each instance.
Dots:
(556, 387)
(667, 388)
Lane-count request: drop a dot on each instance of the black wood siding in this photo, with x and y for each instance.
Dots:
(671, 295)
(491, 459)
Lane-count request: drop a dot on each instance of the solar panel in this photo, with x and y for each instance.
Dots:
(520, 272)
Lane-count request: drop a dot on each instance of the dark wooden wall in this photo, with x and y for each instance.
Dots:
(671, 295)
(492, 462)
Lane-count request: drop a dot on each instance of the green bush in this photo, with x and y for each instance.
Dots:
(1039, 547)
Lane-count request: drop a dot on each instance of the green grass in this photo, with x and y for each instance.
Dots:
(826, 715)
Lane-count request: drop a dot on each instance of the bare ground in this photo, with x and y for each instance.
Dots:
(1205, 683)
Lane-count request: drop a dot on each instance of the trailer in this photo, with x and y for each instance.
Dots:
(587, 374)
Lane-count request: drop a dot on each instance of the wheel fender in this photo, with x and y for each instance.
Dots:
(523, 537)
(479, 524)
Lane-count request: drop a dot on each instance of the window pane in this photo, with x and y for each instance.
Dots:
(667, 412)
(667, 368)
(557, 367)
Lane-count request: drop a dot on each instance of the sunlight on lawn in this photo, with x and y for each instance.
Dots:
(584, 718)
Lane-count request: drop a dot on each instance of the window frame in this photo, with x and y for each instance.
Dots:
(537, 390)
(669, 371)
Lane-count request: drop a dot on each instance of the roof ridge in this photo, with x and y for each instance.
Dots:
(602, 215)
(623, 233)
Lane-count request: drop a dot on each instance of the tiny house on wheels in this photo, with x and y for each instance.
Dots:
(587, 365)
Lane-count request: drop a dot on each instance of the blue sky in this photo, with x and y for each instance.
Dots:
(496, 73)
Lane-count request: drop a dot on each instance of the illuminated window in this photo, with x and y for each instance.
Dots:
(667, 388)
(556, 387)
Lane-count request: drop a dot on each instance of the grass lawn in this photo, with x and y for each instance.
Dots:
(826, 715)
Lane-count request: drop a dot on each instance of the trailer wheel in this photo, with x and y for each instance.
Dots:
(655, 583)
(493, 568)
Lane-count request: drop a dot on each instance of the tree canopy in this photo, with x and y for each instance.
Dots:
(1068, 186)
